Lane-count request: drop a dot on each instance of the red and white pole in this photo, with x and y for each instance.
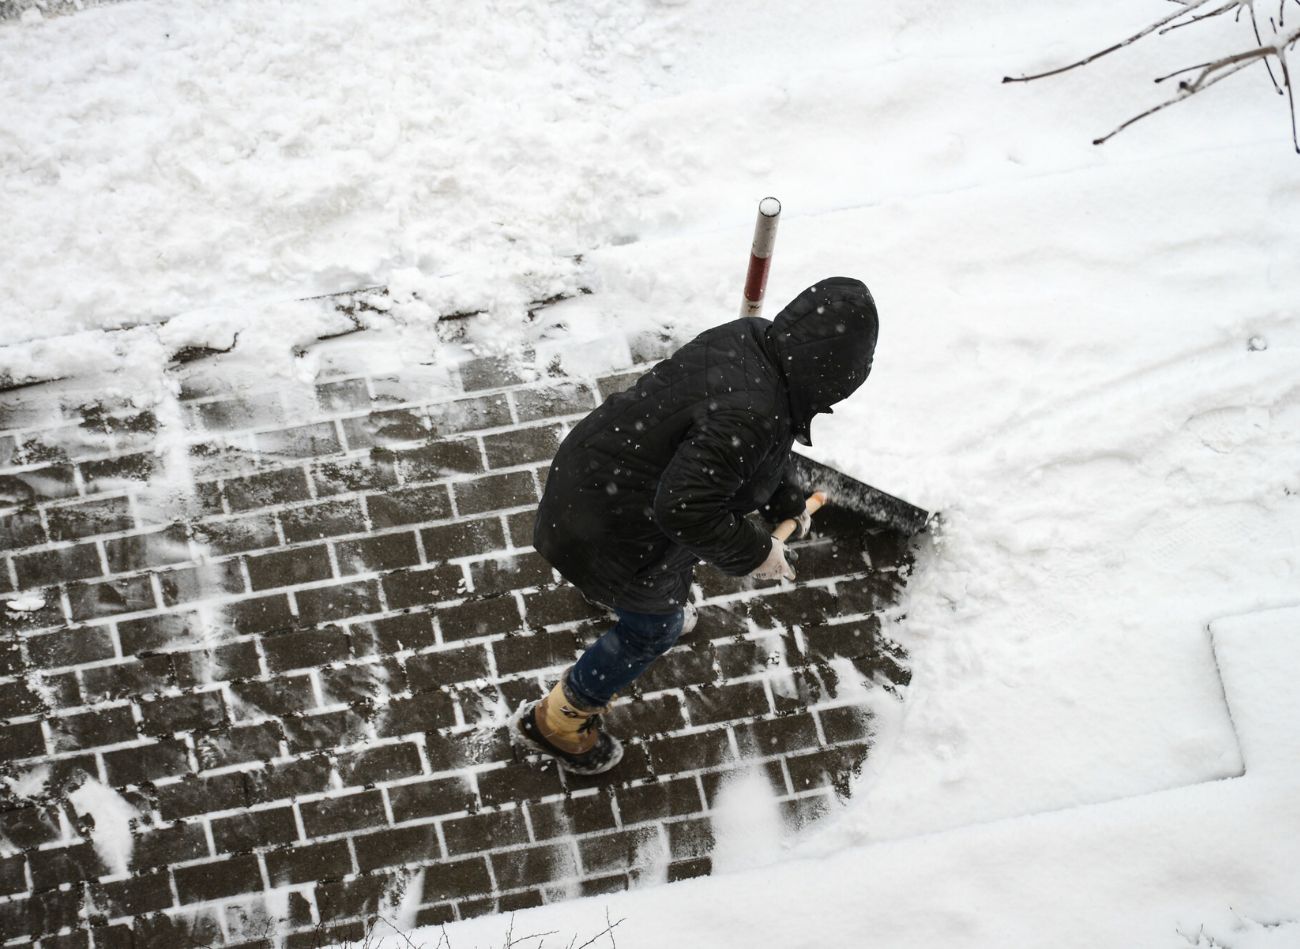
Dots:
(760, 256)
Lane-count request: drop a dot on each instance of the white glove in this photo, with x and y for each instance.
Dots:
(804, 520)
(775, 567)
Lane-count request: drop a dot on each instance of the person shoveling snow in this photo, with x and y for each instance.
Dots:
(661, 476)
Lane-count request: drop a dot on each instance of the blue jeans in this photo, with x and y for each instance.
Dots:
(614, 661)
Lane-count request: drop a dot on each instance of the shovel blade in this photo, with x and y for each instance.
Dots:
(872, 505)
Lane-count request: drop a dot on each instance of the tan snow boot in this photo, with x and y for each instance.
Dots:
(570, 733)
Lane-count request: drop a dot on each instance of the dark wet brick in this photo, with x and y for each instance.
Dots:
(21, 529)
(234, 414)
(408, 506)
(360, 683)
(328, 519)
(337, 815)
(74, 521)
(488, 616)
(47, 615)
(465, 415)
(267, 489)
(568, 398)
(238, 534)
(151, 633)
(13, 877)
(130, 679)
(405, 588)
(309, 863)
(521, 446)
(689, 752)
(289, 567)
(305, 648)
(463, 538)
(301, 441)
(691, 838)
(143, 551)
(570, 817)
(622, 850)
(691, 664)
(17, 698)
(337, 602)
(218, 879)
(561, 604)
(143, 763)
(343, 395)
(854, 639)
(535, 651)
(309, 775)
(24, 740)
(776, 736)
(433, 798)
(27, 827)
(712, 704)
(646, 717)
(494, 492)
(433, 670)
(228, 746)
(485, 831)
(689, 869)
(384, 763)
(523, 867)
(259, 615)
(146, 893)
(73, 864)
(108, 474)
(391, 848)
(422, 712)
(658, 800)
(376, 472)
(229, 661)
(382, 552)
(71, 647)
(619, 382)
(201, 582)
(38, 484)
(846, 723)
(441, 459)
(253, 829)
(456, 879)
(281, 695)
(520, 525)
(834, 767)
(132, 594)
(518, 781)
(393, 634)
(197, 711)
(491, 372)
(382, 429)
(324, 731)
(47, 567)
(108, 726)
(500, 575)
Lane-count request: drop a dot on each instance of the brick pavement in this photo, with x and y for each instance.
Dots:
(285, 626)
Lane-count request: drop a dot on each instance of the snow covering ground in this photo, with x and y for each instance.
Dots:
(1089, 361)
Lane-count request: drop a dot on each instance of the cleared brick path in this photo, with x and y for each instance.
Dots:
(285, 627)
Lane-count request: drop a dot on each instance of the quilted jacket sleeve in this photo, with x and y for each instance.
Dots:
(786, 501)
(710, 466)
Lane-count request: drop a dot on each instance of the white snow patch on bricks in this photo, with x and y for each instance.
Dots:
(112, 815)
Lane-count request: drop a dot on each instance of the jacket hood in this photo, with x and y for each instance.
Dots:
(824, 341)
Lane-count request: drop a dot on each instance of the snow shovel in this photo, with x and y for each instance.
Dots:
(878, 510)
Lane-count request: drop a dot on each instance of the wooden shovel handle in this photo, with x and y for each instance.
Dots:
(790, 525)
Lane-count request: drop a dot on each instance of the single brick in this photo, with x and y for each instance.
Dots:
(306, 864)
(70, 647)
(452, 751)
(658, 800)
(326, 730)
(337, 602)
(160, 759)
(486, 831)
(456, 879)
(197, 667)
(175, 843)
(74, 864)
(43, 913)
(689, 752)
(21, 529)
(619, 382)
(691, 838)
(391, 848)
(685, 665)
(622, 850)
(133, 594)
(603, 885)
(855, 639)
(425, 711)
(343, 395)
(17, 698)
(253, 829)
(521, 525)
(463, 538)
(218, 879)
(337, 815)
(770, 771)
(232, 414)
(561, 604)
(239, 745)
(517, 781)
(376, 472)
(39, 484)
(147, 893)
(712, 704)
(434, 798)
(267, 489)
(409, 506)
(436, 915)
(299, 650)
(384, 552)
(392, 634)
(197, 711)
(646, 717)
(301, 441)
(288, 779)
(108, 474)
(689, 869)
(29, 826)
(433, 670)
(75, 521)
(438, 460)
(405, 588)
(516, 654)
(494, 492)
(283, 695)
(523, 867)
(327, 519)
(463, 415)
(522, 445)
(834, 767)
(342, 899)
(13, 876)
(385, 763)
(289, 567)
(47, 567)
(143, 551)
(238, 534)
(61, 689)
(775, 736)
(154, 633)
(361, 683)
(491, 372)
(488, 616)
(47, 615)
(571, 817)
(108, 726)
(193, 795)
(503, 574)
(846, 723)
(569, 398)
(259, 615)
(383, 429)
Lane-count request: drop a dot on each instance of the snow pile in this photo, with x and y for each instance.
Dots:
(110, 819)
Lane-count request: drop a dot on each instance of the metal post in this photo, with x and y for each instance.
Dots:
(760, 256)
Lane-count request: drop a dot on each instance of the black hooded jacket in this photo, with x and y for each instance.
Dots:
(662, 475)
